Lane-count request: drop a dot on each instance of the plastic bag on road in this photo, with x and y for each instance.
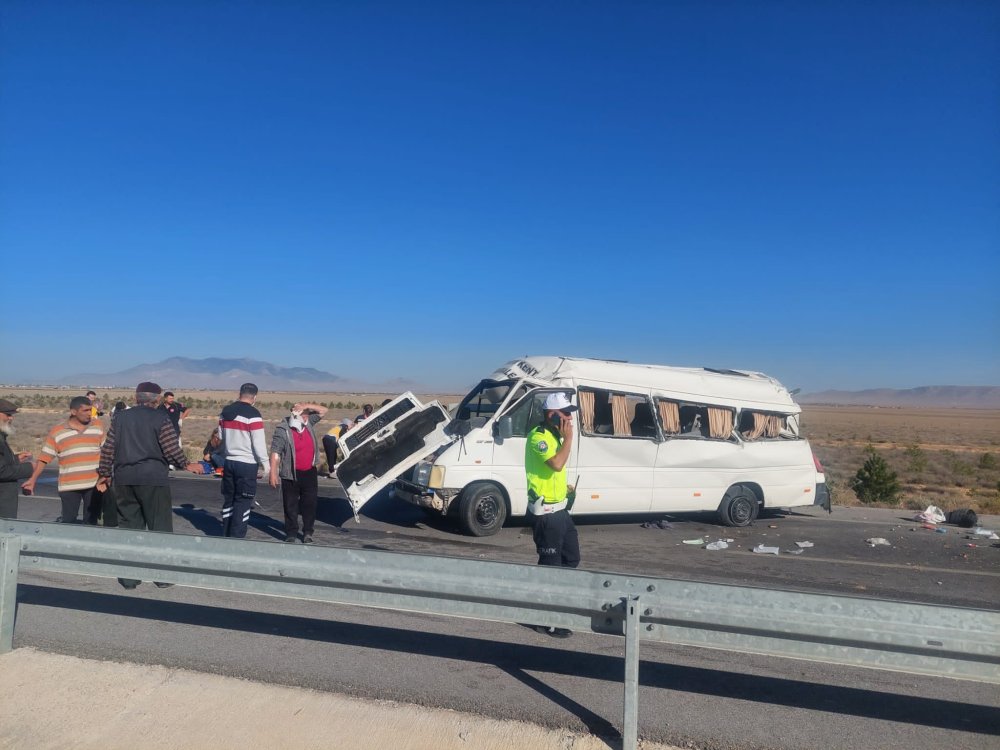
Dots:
(760, 549)
(980, 531)
(933, 514)
(804, 545)
(877, 541)
(721, 544)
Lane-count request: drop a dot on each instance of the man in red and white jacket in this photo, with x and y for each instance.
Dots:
(245, 451)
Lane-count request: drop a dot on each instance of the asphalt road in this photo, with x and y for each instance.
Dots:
(688, 696)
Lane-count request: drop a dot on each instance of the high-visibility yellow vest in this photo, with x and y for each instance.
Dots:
(544, 481)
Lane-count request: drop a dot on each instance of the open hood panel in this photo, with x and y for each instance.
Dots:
(389, 442)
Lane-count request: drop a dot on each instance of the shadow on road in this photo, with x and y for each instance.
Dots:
(210, 525)
(520, 659)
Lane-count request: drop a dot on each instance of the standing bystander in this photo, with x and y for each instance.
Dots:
(76, 445)
(97, 408)
(331, 441)
(294, 456)
(13, 466)
(246, 460)
(141, 443)
(175, 410)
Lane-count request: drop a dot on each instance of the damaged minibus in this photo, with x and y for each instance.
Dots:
(650, 439)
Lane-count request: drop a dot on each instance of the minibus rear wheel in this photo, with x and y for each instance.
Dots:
(482, 510)
(739, 506)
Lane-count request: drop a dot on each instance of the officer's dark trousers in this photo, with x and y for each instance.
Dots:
(239, 487)
(556, 540)
(91, 500)
(144, 507)
(299, 496)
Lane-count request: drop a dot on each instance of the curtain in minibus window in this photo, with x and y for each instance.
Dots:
(670, 417)
(720, 422)
(619, 415)
(586, 399)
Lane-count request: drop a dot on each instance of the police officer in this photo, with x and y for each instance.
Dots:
(549, 498)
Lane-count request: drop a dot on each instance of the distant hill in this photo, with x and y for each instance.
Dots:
(949, 396)
(228, 374)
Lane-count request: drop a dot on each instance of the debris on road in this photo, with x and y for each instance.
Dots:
(964, 517)
(980, 531)
(760, 549)
(933, 514)
(877, 541)
(721, 544)
(804, 545)
(794, 551)
(699, 541)
(664, 524)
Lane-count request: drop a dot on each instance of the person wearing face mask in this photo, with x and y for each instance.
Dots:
(546, 452)
(242, 429)
(294, 457)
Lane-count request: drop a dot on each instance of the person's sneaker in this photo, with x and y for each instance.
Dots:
(290, 539)
(307, 539)
(162, 585)
(172, 467)
(218, 472)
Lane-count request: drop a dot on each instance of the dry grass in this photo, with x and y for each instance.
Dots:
(944, 457)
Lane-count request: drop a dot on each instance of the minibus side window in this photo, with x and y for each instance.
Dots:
(687, 420)
(605, 413)
(759, 425)
(528, 414)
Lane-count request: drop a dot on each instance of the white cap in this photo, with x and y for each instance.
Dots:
(558, 401)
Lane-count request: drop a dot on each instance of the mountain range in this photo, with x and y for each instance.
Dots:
(948, 396)
(217, 373)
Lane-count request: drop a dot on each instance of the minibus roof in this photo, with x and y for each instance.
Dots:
(736, 388)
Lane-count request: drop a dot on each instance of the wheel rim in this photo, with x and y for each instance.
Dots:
(741, 511)
(487, 510)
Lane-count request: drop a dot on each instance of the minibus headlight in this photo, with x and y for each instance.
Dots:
(437, 477)
(421, 473)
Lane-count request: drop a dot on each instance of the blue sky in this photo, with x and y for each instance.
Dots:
(426, 190)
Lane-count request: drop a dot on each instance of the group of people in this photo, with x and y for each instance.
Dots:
(121, 474)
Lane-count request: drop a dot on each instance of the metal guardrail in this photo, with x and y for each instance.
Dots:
(916, 638)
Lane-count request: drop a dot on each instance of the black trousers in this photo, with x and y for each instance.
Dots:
(330, 448)
(144, 507)
(91, 500)
(239, 488)
(299, 497)
(109, 507)
(556, 540)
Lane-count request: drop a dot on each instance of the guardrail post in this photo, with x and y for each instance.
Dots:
(10, 553)
(630, 719)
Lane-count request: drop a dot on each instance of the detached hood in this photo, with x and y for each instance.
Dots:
(387, 444)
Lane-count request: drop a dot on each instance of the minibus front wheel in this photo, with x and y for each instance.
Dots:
(739, 506)
(482, 509)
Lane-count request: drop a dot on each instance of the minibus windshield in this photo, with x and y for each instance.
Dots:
(483, 401)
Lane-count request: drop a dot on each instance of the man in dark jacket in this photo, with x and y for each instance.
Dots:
(13, 466)
(140, 445)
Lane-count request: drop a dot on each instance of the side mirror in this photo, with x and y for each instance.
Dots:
(505, 428)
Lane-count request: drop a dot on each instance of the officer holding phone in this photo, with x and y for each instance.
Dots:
(549, 498)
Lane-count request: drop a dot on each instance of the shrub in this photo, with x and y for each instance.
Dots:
(875, 482)
(988, 461)
(917, 459)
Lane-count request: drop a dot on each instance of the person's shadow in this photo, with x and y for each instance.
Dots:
(210, 525)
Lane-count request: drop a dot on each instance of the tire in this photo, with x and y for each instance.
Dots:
(482, 510)
(739, 506)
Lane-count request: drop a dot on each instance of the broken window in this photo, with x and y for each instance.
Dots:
(759, 425)
(689, 420)
(613, 414)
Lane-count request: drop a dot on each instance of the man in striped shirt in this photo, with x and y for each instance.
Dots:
(76, 444)
(242, 429)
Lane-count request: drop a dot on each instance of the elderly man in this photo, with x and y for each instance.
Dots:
(13, 467)
(76, 444)
(141, 444)
(294, 456)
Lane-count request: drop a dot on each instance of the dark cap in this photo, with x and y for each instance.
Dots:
(147, 387)
(8, 407)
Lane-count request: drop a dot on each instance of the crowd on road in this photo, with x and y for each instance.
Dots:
(116, 472)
